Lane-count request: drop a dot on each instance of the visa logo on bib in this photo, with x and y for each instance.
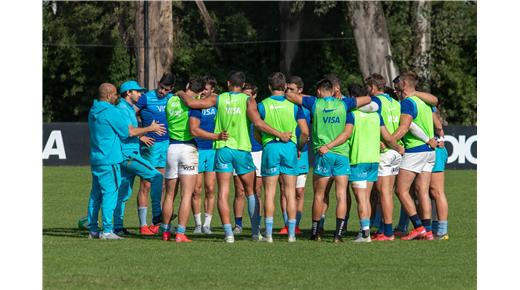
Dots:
(330, 120)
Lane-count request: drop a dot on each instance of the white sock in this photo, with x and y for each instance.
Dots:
(207, 219)
(197, 219)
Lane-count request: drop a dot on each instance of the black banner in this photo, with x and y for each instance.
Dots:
(68, 144)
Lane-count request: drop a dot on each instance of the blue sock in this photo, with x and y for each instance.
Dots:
(285, 218)
(292, 227)
(252, 208)
(403, 221)
(443, 228)
(427, 223)
(415, 221)
(141, 213)
(322, 221)
(166, 227)
(365, 224)
(435, 226)
(238, 221)
(181, 229)
(298, 218)
(388, 230)
(228, 231)
(269, 226)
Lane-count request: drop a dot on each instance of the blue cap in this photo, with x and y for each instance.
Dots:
(130, 86)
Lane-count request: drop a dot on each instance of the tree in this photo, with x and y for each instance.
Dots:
(291, 17)
(154, 41)
(210, 26)
(368, 23)
(421, 23)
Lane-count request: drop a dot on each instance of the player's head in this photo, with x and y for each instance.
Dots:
(336, 83)
(392, 93)
(324, 88)
(166, 84)
(276, 82)
(250, 90)
(131, 91)
(375, 84)
(295, 84)
(356, 90)
(108, 92)
(196, 85)
(209, 85)
(236, 80)
(396, 82)
(408, 80)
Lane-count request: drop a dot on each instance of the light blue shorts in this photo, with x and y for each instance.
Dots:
(206, 160)
(303, 163)
(364, 171)
(156, 154)
(279, 158)
(441, 156)
(331, 164)
(227, 159)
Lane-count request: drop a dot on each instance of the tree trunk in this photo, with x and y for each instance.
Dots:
(210, 26)
(291, 17)
(368, 23)
(421, 24)
(155, 43)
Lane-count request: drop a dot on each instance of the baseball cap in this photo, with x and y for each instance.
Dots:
(130, 86)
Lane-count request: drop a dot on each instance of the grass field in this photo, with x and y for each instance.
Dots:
(72, 261)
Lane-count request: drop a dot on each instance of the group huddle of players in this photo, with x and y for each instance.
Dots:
(179, 141)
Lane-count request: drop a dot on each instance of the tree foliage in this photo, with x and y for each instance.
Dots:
(87, 43)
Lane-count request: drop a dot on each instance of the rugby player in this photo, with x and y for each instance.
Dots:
(234, 109)
(154, 148)
(281, 158)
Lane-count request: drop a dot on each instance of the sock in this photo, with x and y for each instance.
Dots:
(315, 227)
(285, 218)
(388, 230)
(207, 219)
(347, 216)
(238, 221)
(339, 227)
(365, 227)
(252, 208)
(165, 227)
(322, 221)
(198, 221)
(415, 221)
(298, 218)
(228, 231)
(403, 221)
(435, 226)
(141, 213)
(427, 223)
(181, 229)
(269, 226)
(443, 228)
(292, 226)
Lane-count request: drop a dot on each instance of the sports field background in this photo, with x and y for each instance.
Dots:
(72, 261)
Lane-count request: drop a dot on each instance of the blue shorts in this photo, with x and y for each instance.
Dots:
(441, 156)
(331, 164)
(156, 154)
(227, 159)
(303, 163)
(364, 171)
(206, 160)
(279, 158)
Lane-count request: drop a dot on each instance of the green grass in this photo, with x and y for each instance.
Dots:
(72, 261)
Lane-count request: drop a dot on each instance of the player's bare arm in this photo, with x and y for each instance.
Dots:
(390, 140)
(361, 101)
(342, 138)
(404, 126)
(304, 135)
(198, 132)
(254, 117)
(426, 97)
(154, 127)
(437, 125)
(197, 103)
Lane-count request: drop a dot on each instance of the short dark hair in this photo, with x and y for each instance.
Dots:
(377, 80)
(391, 92)
(196, 84)
(325, 84)
(298, 81)
(333, 78)
(210, 80)
(410, 77)
(356, 90)
(277, 81)
(252, 87)
(167, 79)
(236, 78)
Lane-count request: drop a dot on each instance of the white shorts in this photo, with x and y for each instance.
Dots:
(257, 160)
(300, 180)
(389, 163)
(183, 159)
(418, 162)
